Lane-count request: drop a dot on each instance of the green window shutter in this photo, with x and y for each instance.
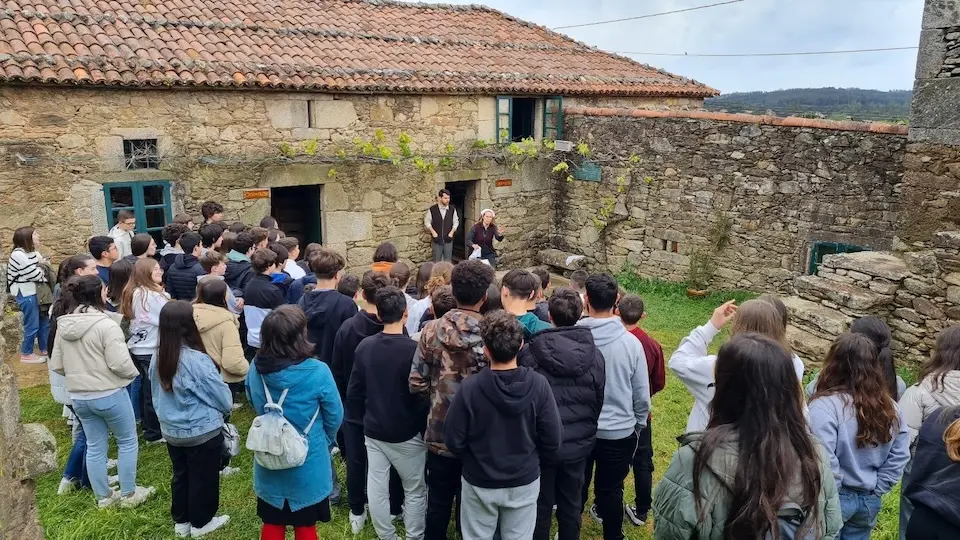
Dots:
(149, 201)
(553, 118)
(504, 119)
(821, 249)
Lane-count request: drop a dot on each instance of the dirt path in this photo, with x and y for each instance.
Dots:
(29, 374)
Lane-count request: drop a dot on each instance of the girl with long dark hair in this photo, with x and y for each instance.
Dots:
(297, 497)
(856, 417)
(879, 333)
(89, 351)
(24, 272)
(756, 470)
(934, 485)
(143, 298)
(191, 400)
(938, 386)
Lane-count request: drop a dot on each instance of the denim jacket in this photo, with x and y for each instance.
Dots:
(199, 398)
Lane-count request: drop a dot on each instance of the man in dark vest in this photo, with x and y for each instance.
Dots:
(442, 221)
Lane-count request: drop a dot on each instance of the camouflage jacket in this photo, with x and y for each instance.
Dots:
(450, 350)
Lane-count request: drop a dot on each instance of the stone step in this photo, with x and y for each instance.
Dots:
(561, 259)
(811, 348)
(817, 316)
(872, 263)
(853, 297)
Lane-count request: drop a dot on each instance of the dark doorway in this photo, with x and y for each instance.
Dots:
(463, 197)
(524, 113)
(297, 208)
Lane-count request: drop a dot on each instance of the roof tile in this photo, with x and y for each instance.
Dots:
(325, 45)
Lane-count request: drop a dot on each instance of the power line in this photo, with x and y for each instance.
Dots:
(647, 16)
(801, 53)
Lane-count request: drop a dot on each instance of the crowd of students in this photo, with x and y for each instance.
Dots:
(444, 389)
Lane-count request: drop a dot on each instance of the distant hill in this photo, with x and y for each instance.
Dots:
(835, 103)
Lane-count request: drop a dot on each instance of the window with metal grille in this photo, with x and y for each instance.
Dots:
(141, 154)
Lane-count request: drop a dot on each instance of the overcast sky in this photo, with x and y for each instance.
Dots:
(751, 26)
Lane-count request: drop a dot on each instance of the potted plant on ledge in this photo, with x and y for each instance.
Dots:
(700, 273)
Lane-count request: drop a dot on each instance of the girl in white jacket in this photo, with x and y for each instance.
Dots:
(143, 298)
(938, 387)
(694, 366)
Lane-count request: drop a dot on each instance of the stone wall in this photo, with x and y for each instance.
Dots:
(916, 292)
(784, 187)
(59, 146)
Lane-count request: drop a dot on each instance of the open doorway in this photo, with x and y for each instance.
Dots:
(463, 197)
(297, 208)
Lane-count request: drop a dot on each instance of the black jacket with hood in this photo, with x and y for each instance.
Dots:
(182, 277)
(575, 369)
(351, 333)
(500, 424)
(935, 478)
(238, 276)
(326, 311)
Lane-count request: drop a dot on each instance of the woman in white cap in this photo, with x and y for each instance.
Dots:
(482, 234)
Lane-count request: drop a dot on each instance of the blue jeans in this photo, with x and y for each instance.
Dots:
(76, 469)
(99, 417)
(133, 390)
(859, 510)
(36, 326)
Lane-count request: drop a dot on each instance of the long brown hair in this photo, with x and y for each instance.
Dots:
(423, 275)
(142, 277)
(879, 334)
(951, 436)
(761, 317)
(945, 358)
(851, 368)
(177, 330)
(776, 449)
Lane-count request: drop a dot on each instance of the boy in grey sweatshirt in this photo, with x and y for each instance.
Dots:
(626, 403)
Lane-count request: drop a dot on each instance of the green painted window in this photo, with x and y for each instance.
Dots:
(553, 118)
(149, 201)
(504, 119)
(820, 249)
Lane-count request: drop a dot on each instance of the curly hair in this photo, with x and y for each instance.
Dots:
(851, 368)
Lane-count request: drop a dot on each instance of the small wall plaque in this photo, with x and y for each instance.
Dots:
(504, 182)
(251, 194)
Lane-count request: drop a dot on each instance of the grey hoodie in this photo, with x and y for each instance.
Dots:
(920, 400)
(626, 401)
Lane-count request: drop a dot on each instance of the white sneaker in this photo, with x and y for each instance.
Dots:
(182, 530)
(111, 464)
(335, 451)
(358, 522)
(33, 359)
(229, 471)
(138, 497)
(595, 515)
(236, 406)
(66, 486)
(215, 523)
(109, 500)
(161, 440)
(113, 480)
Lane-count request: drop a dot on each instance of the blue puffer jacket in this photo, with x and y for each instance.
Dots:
(311, 387)
(199, 398)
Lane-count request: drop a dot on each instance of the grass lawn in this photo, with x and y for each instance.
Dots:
(74, 517)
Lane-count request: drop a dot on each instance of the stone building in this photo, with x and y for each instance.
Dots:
(265, 106)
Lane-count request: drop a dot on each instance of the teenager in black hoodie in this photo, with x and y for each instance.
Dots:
(326, 308)
(362, 325)
(572, 364)
(934, 484)
(501, 422)
(393, 418)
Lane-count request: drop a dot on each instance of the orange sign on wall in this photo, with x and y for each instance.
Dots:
(251, 194)
(504, 182)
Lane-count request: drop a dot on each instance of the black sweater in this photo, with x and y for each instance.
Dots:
(500, 423)
(576, 371)
(326, 311)
(351, 333)
(935, 478)
(379, 392)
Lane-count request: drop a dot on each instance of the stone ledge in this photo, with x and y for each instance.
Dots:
(855, 298)
(873, 263)
(789, 121)
(561, 259)
(817, 315)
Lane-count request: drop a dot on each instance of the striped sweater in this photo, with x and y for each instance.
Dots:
(24, 272)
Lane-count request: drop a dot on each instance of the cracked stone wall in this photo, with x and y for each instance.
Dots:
(784, 188)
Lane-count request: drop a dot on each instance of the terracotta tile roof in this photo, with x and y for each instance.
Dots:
(789, 121)
(322, 45)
